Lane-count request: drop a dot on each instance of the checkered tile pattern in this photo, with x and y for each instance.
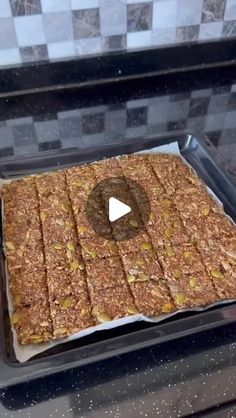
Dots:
(38, 30)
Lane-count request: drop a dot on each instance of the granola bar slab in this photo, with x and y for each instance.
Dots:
(219, 257)
(33, 323)
(28, 285)
(96, 247)
(152, 298)
(105, 273)
(142, 267)
(112, 303)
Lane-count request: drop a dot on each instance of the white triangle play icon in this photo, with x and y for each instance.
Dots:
(117, 209)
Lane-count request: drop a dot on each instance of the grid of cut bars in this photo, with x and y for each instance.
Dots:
(37, 30)
(64, 278)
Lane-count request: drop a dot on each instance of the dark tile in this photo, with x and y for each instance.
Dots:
(229, 29)
(93, 124)
(214, 137)
(198, 107)
(25, 7)
(139, 16)
(24, 134)
(187, 33)
(114, 43)
(69, 128)
(34, 53)
(6, 152)
(232, 102)
(136, 117)
(86, 23)
(196, 126)
(213, 10)
(46, 146)
(176, 125)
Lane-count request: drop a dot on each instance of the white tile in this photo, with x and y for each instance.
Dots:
(61, 49)
(163, 36)
(29, 30)
(164, 14)
(9, 57)
(81, 4)
(139, 39)
(189, 12)
(210, 30)
(5, 9)
(230, 10)
(55, 5)
(113, 17)
(88, 46)
(137, 1)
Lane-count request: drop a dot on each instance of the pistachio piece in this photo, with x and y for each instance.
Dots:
(146, 246)
(187, 254)
(57, 246)
(169, 251)
(168, 233)
(74, 265)
(180, 298)
(217, 274)
(206, 211)
(168, 307)
(10, 246)
(132, 310)
(131, 278)
(93, 253)
(15, 318)
(77, 183)
(69, 254)
(65, 206)
(178, 274)
(17, 300)
(103, 317)
(192, 282)
(58, 332)
(82, 229)
(66, 303)
(70, 246)
(36, 339)
(134, 223)
(81, 266)
(113, 248)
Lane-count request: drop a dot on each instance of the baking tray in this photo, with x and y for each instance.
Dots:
(127, 338)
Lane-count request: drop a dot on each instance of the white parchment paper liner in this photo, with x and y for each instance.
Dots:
(24, 353)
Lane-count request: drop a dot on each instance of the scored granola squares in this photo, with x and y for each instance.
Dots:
(142, 267)
(152, 298)
(28, 285)
(140, 242)
(105, 273)
(219, 258)
(33, 323)
(96, 247)
(112, 303)
(70, 314)
(67, 281)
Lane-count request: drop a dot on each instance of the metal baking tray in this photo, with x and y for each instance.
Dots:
(126, 338)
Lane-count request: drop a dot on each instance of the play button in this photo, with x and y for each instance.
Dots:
(117, 209)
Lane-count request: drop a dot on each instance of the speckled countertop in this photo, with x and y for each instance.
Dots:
(178, 378)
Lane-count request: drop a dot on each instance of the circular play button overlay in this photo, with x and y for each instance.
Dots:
(118, 208)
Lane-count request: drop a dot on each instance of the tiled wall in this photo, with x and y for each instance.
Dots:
(35, 30)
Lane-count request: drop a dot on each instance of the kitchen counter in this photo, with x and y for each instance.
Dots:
(179, 378)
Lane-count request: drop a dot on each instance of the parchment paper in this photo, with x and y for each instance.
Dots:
(24, 353)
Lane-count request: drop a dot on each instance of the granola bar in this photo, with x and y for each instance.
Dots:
(105, 273)
(142, 267)
(28, 285)
(96, 247)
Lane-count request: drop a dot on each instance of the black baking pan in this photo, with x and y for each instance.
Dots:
(104, 344)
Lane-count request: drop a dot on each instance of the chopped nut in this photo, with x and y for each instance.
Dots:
(93, 253)
(103, 317)
(217, 274)
(146, 246)
(15, 318)
(132, 310)
(178, 274)
(70, 246)
(43, 215)
(10, 246)
(81, 266)
(134, 223)
(168, 233)
(192, 282)
(36, 339)
(66, 303)
(180, 298)
(82, 229)
(131, 278)
(57, 246)
(168, 307)
(65, 206)
(169, 251)
(188, 254)
(206, 211)
(74, 265)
